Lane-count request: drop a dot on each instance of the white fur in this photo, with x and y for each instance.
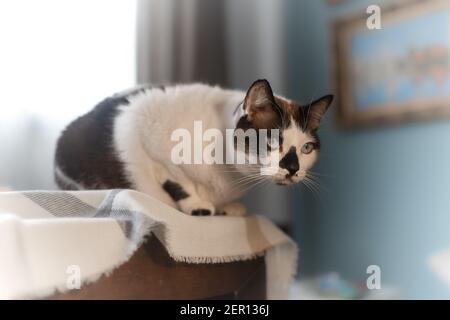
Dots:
(142, 134)
(294, 136)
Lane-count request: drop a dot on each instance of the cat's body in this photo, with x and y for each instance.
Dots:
(126, 142)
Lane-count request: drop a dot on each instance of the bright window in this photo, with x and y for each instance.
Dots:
(58, 58)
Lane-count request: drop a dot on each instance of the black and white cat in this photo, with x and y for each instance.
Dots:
(126, 142)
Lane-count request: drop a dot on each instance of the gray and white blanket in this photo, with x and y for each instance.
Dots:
(47, 238)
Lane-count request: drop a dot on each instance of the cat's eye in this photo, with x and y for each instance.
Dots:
(308, 148)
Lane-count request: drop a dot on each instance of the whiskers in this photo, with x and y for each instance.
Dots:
(239, 168)
(250, 177)
(312, 182)
(247, 177)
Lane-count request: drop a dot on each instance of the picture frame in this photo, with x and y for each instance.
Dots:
(398, 73)
(335, 2)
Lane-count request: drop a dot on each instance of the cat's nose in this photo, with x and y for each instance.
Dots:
(292, 170)
(290, 162)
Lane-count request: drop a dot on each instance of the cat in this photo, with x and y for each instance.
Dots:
(126, 142)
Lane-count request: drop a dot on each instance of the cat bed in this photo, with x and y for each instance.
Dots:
(52, 241)
(152, 274)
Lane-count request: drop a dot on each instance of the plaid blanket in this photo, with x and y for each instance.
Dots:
(46, 236)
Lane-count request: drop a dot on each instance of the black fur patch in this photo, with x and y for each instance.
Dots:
(175, 191)
(201, 212)
(290, 161)
(85, 152)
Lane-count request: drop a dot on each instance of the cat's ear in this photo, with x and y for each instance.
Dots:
(260, 106)
(316, 110)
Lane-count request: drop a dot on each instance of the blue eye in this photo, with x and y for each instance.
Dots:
(308, 148)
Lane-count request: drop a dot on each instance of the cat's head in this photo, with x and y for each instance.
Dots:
(298, 144)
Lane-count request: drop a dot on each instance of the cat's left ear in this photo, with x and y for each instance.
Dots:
(260, 106)
(317, 110)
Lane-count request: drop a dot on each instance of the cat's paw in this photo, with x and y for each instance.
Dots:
(201, 212)
(197, 207)
(235, 209)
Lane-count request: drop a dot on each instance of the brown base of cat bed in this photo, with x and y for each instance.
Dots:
(152, 274)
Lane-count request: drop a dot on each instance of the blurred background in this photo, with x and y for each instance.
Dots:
(384, 195)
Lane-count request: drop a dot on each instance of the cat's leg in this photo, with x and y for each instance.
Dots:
(196, 206)
(173, 188)
(235, 209)
(185, 195)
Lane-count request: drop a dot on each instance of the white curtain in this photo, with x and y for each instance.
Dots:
(57, 59)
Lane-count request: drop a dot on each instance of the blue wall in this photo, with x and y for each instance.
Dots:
(387, 197)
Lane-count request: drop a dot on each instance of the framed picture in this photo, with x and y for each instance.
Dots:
(335, 2)
(398, 73)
